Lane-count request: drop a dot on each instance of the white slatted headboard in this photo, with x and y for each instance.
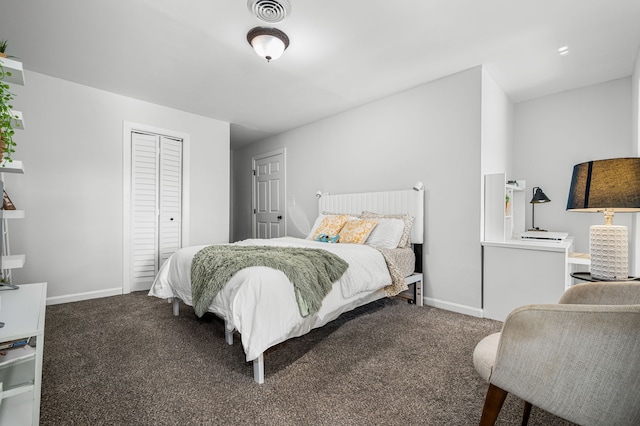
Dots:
(408, 201)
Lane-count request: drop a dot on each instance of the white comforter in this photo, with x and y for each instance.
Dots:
(260, 303)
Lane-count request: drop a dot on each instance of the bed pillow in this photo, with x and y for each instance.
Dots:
(315, 226)
(387, 233)
(357, 231)
(329, 225)
(318, 221)
(405, 240)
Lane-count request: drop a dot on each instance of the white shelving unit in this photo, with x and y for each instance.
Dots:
(13, 214)
(23, 313)
(15, 166)
(9, 261)
(18, 122)
(503, 221)
(16, 70)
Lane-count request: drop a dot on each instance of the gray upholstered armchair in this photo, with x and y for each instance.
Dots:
(579, 359)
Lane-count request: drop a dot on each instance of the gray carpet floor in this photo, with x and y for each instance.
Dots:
(126, 360)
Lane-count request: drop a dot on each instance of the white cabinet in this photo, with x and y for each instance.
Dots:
(519, 273)
(503, 207)
(22, 311)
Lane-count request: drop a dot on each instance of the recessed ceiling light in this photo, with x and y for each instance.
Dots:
(563, 51)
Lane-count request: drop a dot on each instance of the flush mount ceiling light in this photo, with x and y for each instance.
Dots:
(268, 43)
(269, 11)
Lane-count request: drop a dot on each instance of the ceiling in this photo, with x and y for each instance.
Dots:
(193, 55)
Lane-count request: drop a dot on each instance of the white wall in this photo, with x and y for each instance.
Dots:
(72, 189)
(635, 103)
(496, 134)
(497, 128)
(634, 252)
(430, 133)
(556, 132)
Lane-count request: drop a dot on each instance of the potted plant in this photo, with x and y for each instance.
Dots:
(7, 118)
(507, 205)
(3, 47)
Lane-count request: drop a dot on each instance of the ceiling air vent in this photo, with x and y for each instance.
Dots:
(270, 11)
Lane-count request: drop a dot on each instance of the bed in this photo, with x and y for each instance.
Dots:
(258, 301)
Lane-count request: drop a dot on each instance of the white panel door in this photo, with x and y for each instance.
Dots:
(156, 205)
(269, 196)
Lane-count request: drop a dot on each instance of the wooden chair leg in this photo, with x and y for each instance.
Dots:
(492, 405)
(526, 413)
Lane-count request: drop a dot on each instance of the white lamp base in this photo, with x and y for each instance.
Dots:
(609, 247)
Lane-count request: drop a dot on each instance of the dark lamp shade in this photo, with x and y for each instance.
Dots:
(539, 196)
(612, 184)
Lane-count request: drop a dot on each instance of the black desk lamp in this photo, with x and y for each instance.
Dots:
(539, 197)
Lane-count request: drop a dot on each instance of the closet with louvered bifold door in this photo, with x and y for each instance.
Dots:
(156, 204)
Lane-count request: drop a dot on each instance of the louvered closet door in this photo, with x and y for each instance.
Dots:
(156, 192)
(170, 197)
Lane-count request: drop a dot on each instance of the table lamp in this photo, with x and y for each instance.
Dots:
(539, 197)
(607, 186)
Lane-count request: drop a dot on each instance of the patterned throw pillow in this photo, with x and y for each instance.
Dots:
(357, 231)
(405, 240)
(331, 225)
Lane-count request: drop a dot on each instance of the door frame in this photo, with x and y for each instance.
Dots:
(127, 128)
(254, 206)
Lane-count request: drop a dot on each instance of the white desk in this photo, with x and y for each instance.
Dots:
(521, 272)
(23, 312)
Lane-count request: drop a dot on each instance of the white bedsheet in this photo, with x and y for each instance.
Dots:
(260, 303)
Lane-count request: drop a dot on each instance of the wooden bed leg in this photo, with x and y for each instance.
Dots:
(258, 369)
(228, 333)
(176, 306)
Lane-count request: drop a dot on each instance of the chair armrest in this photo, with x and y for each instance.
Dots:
(603, 293)
(580, 362)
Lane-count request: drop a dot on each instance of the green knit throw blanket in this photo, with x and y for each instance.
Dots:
(311, 271)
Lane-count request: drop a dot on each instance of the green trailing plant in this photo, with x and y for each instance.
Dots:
(7, 116)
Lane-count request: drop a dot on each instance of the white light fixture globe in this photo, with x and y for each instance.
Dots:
(268, 43)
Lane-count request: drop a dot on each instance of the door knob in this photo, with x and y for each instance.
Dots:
(279, 217)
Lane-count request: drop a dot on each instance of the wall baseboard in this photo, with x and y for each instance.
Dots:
(449, 306)
(84, 296)
(455, 307)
